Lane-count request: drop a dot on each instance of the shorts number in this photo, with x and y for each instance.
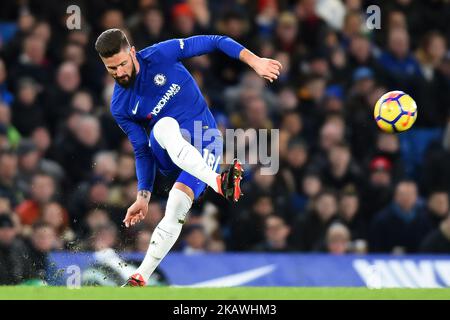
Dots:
(210, 159)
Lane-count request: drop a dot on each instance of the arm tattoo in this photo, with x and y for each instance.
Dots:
(144, 194)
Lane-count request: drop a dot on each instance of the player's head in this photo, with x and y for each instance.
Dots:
(118, 56)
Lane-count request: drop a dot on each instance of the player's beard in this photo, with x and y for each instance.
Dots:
(128, 80)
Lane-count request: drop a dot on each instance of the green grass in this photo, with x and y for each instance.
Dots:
(245, 293)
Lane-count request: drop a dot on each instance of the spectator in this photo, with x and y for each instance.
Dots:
(31, 163)
(312, 93)
(388, 146)
(43, 190)
(309, 230)
(92, 194)
(58, 97)
(438, 241)
(112, 18)
(331, 133)
(12, 252)
(287, 98)
(353, 25)
(41, 243)
(154, 215)
(290, 129)
(75, 52)
(276, 236)
(249, 87)
(125, 170)
(5, 95)
(105, 166)
(311, 185)
(248, 229)
(11, 131)
(296, 163)
(338, 239)
(150, 28)
(433, 92)
(286, 33)
(350, 214)
(4, 141)
(5, 204)
(8, 177)
(266, 17)
(334, 99)
(183, 20)
(398, 60)
(436, 171)
(27, 104)
(358, 112)
(312, 27)
(194, 240)
(438, 207)
(93, 219)
(103, 237)
(120, 197)
(54, 215)
(360, 54)
(341, 171)
(381, 183)
(80, 144)
(262, 183)
(401, 227)
(82, 101)
(32, 61)
(28, 159)
(142, 240)
(256, 115)
(41, 138)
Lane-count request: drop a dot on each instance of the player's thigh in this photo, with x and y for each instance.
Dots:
(212, 154)
(166, 131)
(165, 163)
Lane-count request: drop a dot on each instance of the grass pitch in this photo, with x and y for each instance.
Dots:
(238, 293)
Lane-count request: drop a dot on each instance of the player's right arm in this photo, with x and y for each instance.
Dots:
(145, 168)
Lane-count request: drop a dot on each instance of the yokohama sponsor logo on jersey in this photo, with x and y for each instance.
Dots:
(172, 91)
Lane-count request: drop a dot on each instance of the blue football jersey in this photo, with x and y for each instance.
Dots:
(163, 88)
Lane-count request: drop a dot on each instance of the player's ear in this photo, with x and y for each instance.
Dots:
(133, 51)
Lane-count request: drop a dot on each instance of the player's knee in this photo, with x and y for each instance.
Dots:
(178, 205)
(164, 129)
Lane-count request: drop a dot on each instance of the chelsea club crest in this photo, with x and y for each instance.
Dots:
(159, 79)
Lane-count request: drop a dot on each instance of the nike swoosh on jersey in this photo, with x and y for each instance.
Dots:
(134, 111)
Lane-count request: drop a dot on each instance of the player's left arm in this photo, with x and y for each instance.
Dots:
(267, 68)
(178, 49)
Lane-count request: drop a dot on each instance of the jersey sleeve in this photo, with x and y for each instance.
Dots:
(145, 161)
(178, 49)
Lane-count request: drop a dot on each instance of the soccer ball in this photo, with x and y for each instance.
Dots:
(395, 111)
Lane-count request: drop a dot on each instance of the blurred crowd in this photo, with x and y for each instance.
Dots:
(67, 172)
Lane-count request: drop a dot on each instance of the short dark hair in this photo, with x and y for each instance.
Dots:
(111, 42)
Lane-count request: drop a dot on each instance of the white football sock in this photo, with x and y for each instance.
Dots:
(166, 232)
(183, 154)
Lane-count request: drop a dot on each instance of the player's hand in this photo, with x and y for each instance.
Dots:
(136, 212)
(269, 69)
